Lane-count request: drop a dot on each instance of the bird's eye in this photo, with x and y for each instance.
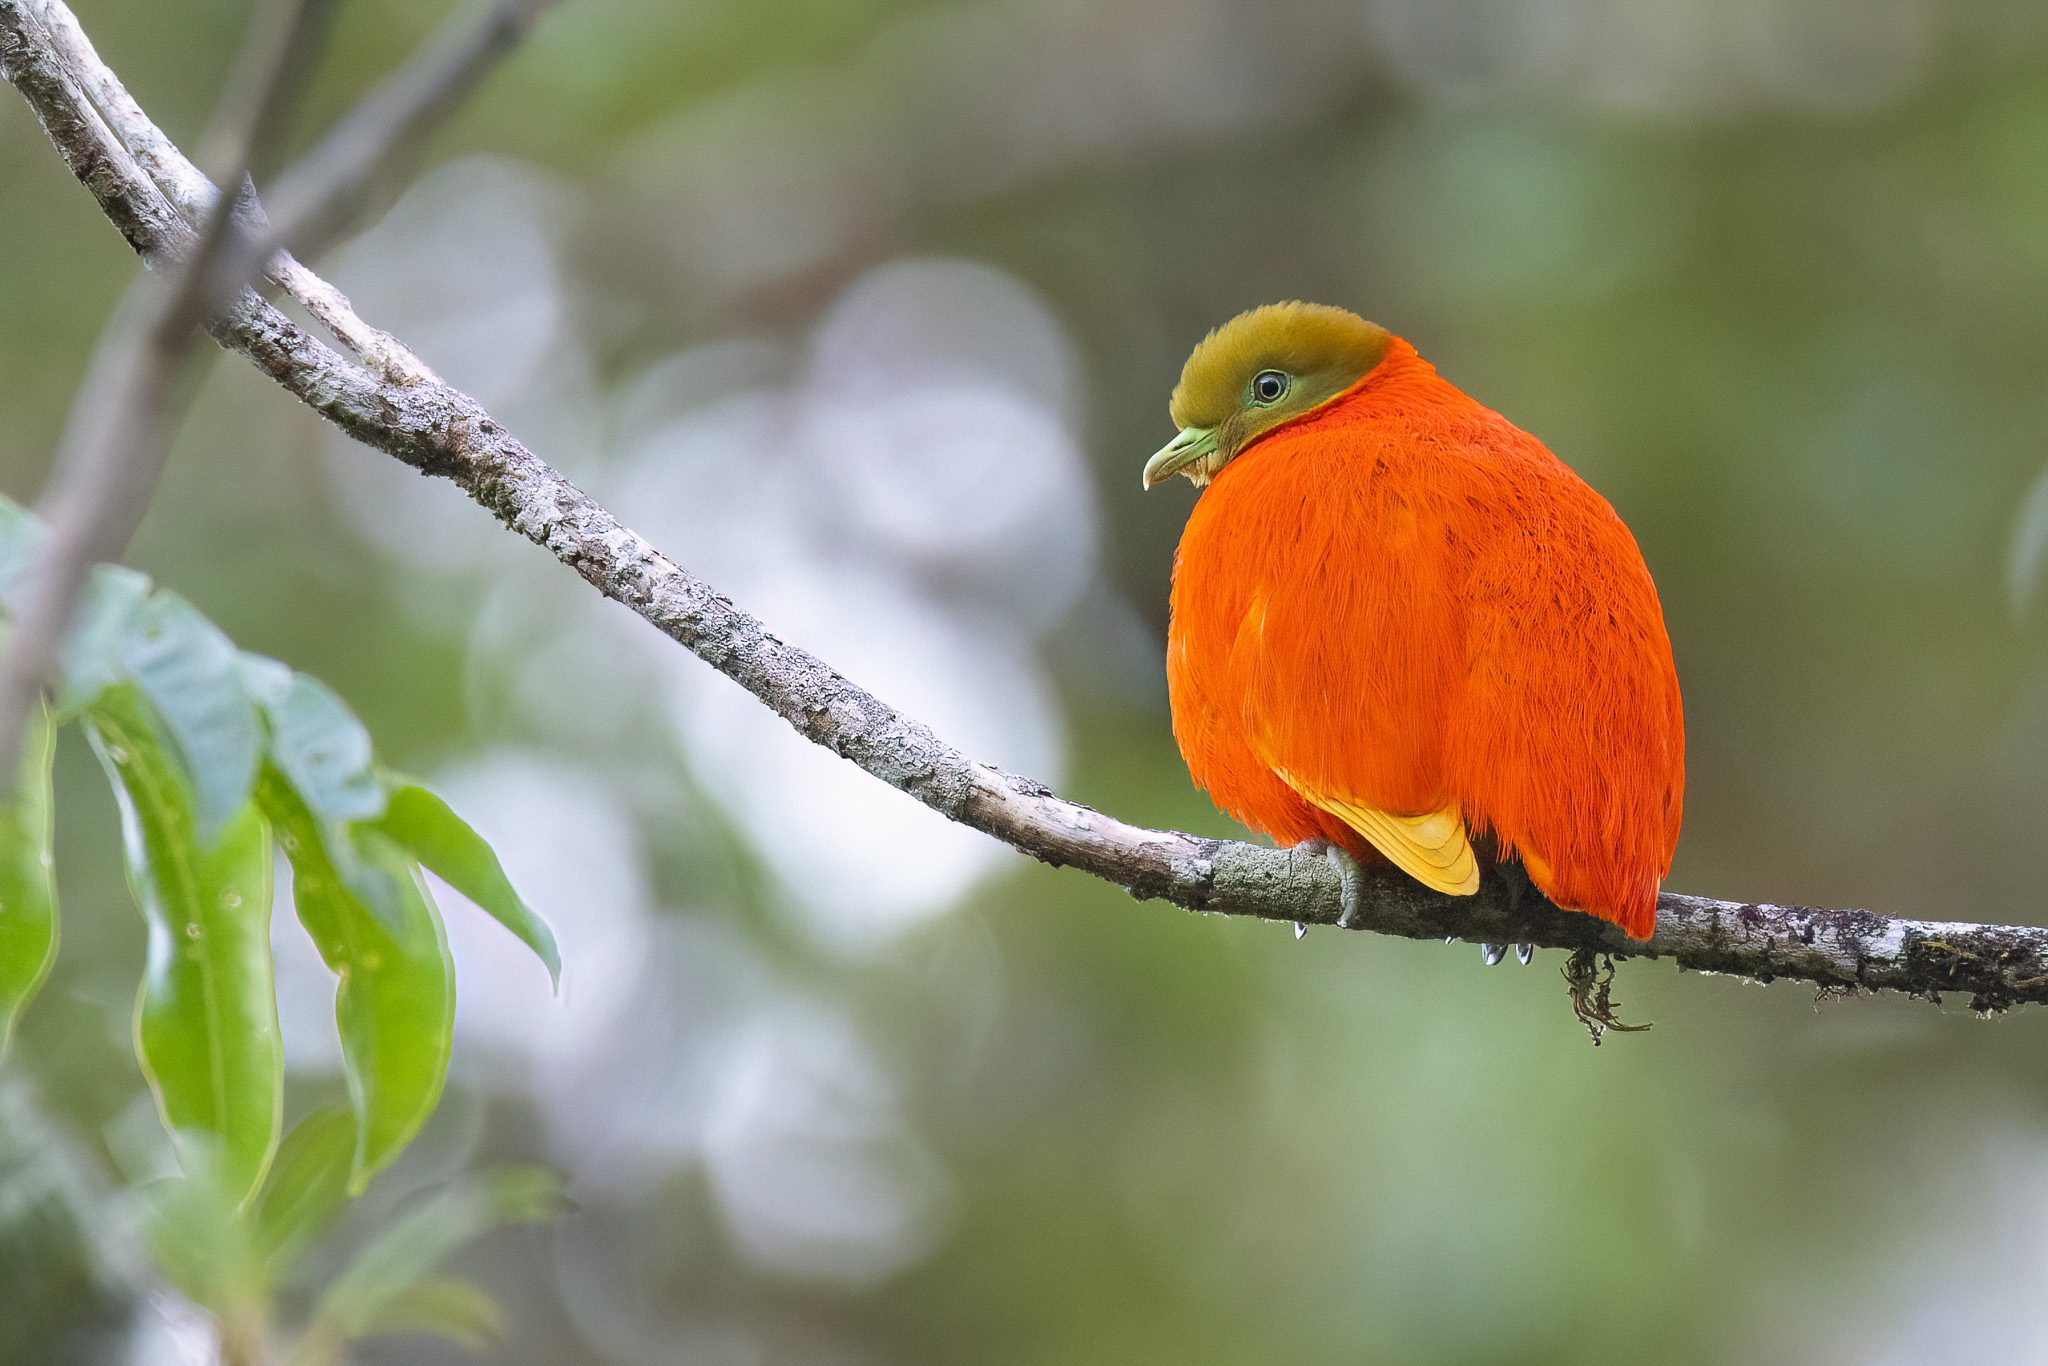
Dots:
(1268, 386)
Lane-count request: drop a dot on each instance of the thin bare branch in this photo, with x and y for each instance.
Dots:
(193, 195)
(367, 157)
(112, 453)
(441, 431)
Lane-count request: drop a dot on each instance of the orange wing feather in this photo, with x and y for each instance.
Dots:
(1402, 605)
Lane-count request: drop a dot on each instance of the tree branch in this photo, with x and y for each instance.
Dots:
(441, 431)
(338, 184)
(127, 411)
(193, 194)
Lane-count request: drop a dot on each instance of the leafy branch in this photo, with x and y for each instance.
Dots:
(232, 1254)
(216, 756)
(387, 399)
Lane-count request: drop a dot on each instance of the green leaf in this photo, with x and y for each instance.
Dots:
(325, 755)
(206, 1021)
(461, 1311)
(395, 1000)
(324, 750)
(266, 680)
(308, 1186)
(415, 1245)
(21, 539)
(199, 1239)
(445, 844)
(90, 658)
(93, 655)
(191, 674)
(28, 892)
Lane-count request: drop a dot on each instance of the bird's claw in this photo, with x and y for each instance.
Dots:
(1490, 954)
(1350, 879)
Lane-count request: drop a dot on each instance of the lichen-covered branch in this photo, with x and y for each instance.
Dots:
(441, 431)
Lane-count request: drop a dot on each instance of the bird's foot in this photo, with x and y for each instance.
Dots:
(1493, 953)
(1350, 878)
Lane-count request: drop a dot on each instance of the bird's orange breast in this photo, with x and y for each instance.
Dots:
(1403, 602)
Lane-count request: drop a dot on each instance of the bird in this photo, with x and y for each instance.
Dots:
(1402, 630)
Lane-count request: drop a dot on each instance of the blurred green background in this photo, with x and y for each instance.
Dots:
(868, 312)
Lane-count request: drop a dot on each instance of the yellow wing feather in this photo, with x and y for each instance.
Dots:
(1432, 848)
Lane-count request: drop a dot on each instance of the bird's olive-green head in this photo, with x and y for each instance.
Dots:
(1260, 369)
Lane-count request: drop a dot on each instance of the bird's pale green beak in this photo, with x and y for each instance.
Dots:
(1194, 444)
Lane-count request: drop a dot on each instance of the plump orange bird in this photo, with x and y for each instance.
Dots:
(1403, 628)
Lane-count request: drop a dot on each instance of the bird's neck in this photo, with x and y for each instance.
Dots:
(1402, 363)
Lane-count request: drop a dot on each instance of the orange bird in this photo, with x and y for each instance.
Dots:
(1402, 627)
